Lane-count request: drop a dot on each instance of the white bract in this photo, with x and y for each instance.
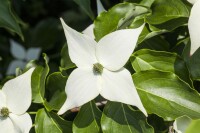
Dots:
(15, 99)
(100, 68)
(194, 25)
(22, 56)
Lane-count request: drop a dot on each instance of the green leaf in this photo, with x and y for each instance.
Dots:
(121, 118)
(65, 61)
(85, 5)
(164, 94)
(169, 25)
(194, 127)
(118, 16)
(194, 65)
(88, 119)
(38, 81)
(8, 19)
(169, 62)
(55, 87)
(147, 3)
(165, 10)
(153, 43)
(46, 122)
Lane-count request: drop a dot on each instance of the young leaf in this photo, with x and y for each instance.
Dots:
(121, 118)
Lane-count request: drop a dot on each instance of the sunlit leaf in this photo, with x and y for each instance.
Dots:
(164, 94)
(164, 61)
(46, 122)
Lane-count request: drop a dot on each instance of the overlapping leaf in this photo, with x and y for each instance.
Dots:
(164, 94)
(121, 118)
(48, 122)
(164, 61)
(88, 119)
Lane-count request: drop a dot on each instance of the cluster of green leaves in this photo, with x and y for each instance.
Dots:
(164, 73)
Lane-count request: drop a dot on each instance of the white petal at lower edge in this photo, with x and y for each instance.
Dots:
(22, 123)
(82, 86)
(118, 86)
(6, 125)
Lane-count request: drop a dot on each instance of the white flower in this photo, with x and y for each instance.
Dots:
(15, 99)
(100, 68)
(194, 25)
(22, 56)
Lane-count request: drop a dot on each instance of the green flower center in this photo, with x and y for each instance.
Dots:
(4, 112)
(98, 68)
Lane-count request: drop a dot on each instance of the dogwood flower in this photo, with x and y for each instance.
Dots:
(194, 25)
(15, 99)
(100, 68)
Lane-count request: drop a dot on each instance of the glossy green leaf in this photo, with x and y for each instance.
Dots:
(147, 2)
(85, 5)
(38, 82)
(133, 18)
(46, 122)
(164, 61)
(153, 43)
(164, 94)
(117, 17)
(194, 65)
(55, 88)
(165, 10)
(194, 127)
(169, 25)
(8, 19)
(88, 119)
(121, 118)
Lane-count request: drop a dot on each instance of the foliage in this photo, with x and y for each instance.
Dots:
(166, 76)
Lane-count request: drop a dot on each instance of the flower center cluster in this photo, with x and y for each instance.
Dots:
(4, 112)
(98, 68)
